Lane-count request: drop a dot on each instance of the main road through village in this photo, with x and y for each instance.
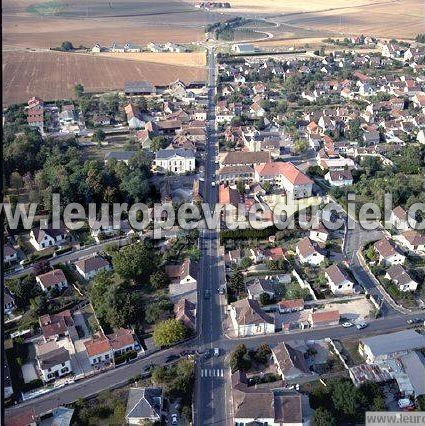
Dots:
(212, 402)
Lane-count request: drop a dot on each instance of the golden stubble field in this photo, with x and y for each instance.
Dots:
(53, 75)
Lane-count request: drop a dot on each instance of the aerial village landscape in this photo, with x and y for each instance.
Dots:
(174, 105)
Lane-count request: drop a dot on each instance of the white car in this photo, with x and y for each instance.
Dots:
(347, 324)
(361, 325)
(174, 419)
(212, 183)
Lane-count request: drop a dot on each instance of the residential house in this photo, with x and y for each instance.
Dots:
(91, 266)
(52, 280)
(290, 363)
(144, 405)
(320, 234)
(384, 346)
(402, 220)
(248, 319)
(134, 116)
(185, 311)
(139, 88)
(122, 341)
(8, 301)
(49, 237)
(23, 417)
(338, 283)
(399, 276)
(53, 361)
(290, 305)
(413, 240)
(286, 176)
(177, 161)
(101, 120)
(99, 350)
(243, 48)
(339, 177)
(56, 326)
(388, 254)
(10, 255)
(244, 158)
(182, 274)
(232, 174)
(324, 318)
(308, 253)
(124, 156)
(261, 286)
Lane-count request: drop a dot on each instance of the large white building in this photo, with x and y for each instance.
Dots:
(177, 161)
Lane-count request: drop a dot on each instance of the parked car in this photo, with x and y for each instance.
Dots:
(361, 325)
(174, 420)
(216, 351)
(171, 358)
(207, 294)
(347, 324)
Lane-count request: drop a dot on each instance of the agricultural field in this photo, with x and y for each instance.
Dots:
(192, 59)
(53, 75)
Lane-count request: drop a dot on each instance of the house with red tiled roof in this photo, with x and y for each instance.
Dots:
(185, 311)
(182, 274)
(89, 267)
(99, 350)
(308, 252)
(292, 305)
(285, 176)
(388, 254)
(52, 280)
(338, 282)
(122, 341)
(324, 318)
(55, 326)
(413, 240)
(401, 219)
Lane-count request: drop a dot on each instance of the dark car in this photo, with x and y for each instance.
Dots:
(149, 368)
(171, 358)
(207, 294)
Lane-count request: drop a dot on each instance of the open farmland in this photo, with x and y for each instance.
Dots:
(192, 59)
(53, 75)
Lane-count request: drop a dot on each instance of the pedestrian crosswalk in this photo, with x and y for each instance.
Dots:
(212, 372)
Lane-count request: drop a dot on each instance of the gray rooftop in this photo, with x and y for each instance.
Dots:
(120, 155)
(164, 154)
(139, 87)
(144, 403)
(394, 342)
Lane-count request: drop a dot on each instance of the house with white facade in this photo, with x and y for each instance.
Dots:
(339, 177)
(402, 220)
(290, 363)
(184, 273)
(52, 280)
(10, 255)
(99, 350)
(399, 276)
(53, 361)
(89, 267)
(248, 319)
(388, 254)
(178, 161)
(49, 237)
(308, 252)
(338, 283)
(413, 241)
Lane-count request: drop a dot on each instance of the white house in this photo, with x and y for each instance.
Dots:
(398, 275)
(99, 350)
(177, 161)
(122, 341)
(243, 48)
(43, 238)
(339, 177)
(308, 253)
(10, 255)
(248, 319)
(290, 363)
(337, 281)
(53, 361)
(134, 117)
(285, 176)
(388, 254)
(52, 279)
(402, 220)
(413, 240)
(91, 266)
(182, 274)
(319, 235)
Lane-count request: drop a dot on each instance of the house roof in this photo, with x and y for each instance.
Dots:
(144, 403)
(8, 250)
(394, 342)
(184, 311)
(229, 195)
(335, 274)
(248, 311)
(166, 154)
(291, 304)
(245, 158)
(120, 155)
(92, 263)
(288, 170)
(385, 248)
(287, 358)
(54, 324)
(50, 354)
(23, 417)
(52, 278)
(400, 213)
(139, 86)
(324, 316)
(121, 338)
(259, 286)
(414, 237)
(339, 175)
(306, 247)
(53, 233)
(399, 275)
(132, 111)
(181, 271)
(98, 344)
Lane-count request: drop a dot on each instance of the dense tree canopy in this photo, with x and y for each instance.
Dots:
(168, 332)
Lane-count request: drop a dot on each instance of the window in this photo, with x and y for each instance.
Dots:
(107, 356)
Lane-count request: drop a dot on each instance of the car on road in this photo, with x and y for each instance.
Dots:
(347, 324)
(171, 358)
(221, 290)
(216, 351)
(174, 420)
(207, 294)
(414, 321)
(361, 325)
(207, 354)
(149, 368)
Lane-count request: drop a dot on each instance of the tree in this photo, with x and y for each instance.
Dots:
(79, 90)
(135, 261)
(239, 359)
(160, 279)
(237, 282)
(158, 310)
(168, 332)
(323, 417)
(240, 186)
(262, 354)
(300, 145)
(245, 262)
(67, 46)
(24, 290)
(99, 135)
(348, 400)
(158, 142)
(265, 299)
